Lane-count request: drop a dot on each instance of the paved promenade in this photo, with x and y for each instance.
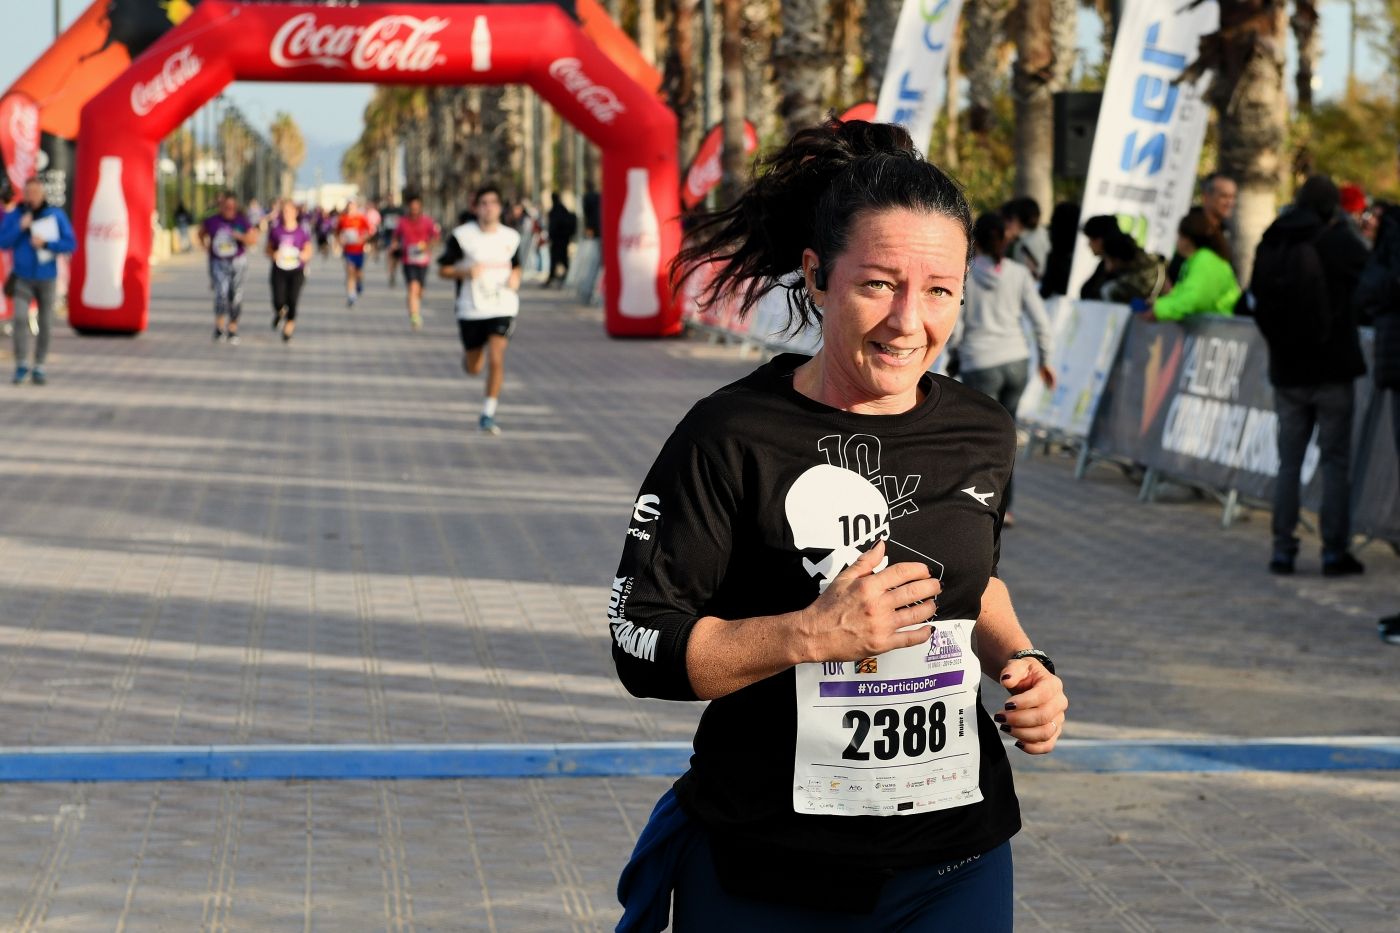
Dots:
(311, 543)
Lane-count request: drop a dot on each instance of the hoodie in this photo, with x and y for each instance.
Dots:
(1300, 355)
(989, 332)
(27, 259)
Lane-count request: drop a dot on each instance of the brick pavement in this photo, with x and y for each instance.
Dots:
(310, 543)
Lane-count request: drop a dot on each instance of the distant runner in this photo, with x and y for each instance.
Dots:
(289, 246)
(227, 236)
(415, 236)
(353, 230)
(481, 256)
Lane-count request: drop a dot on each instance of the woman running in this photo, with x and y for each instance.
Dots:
(815, 552)
(289, 247)
(227, 235)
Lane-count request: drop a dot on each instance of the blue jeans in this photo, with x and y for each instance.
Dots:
(974, 894)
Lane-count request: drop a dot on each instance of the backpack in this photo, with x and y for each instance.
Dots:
(1288, 291)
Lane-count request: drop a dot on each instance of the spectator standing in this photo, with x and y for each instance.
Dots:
(1135, 274)
(1378, 297)
(37, 232)
(1218, 195)
(1353, 201)
(183, 219)
(1305, 271)
(1207, 283)
(592, 212)
(1097, 230)
(1028, 243)
(1064, 233)
(562, 225)
(993, 354)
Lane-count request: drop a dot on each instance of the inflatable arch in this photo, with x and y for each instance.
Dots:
(539, 44)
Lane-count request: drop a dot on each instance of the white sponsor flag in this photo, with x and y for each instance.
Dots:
(918, 66)
(1150, 130)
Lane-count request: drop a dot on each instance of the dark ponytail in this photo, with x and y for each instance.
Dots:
(989, 233)
(806, 195)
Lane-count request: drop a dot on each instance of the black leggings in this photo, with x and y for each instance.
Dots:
(286, 290)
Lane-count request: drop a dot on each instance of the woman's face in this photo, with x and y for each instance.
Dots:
(890, 303)
(289, 214)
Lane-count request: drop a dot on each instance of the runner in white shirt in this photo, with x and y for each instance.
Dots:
(482, 258)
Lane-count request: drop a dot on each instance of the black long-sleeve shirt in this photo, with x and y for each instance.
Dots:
(758, 495)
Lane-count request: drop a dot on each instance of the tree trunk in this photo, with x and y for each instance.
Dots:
(877, 33)
(760, 90)
(1247, 93)
(733, 160)
(1031, 81)
(844, 53)
(801, 61)
(678, 81)
(950, 101)
(646, 29)
(1305, 31)
(984, 34)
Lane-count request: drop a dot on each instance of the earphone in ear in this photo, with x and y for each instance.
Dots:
(819, 278)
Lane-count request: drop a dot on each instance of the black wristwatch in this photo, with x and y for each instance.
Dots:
(1036, 653)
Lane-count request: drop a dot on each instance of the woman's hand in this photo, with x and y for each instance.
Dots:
(1047, 376)
(861, 612)
(1035, 713)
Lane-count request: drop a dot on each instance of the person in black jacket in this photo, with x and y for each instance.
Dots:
(1305, 270)
(1064, 232)
(1378, 299)
(1097, 230)
(562, 225)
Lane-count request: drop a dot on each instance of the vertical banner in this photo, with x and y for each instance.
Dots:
(918, 66)
(1148, 140)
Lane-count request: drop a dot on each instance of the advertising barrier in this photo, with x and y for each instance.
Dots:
(1376, 491)
(1086, 338)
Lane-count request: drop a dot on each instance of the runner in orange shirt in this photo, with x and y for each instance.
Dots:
(353, 230)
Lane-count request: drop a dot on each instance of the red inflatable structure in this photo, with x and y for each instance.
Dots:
(510, 43)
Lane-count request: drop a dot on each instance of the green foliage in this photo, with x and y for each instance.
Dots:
(986, 162)
(1355, 139)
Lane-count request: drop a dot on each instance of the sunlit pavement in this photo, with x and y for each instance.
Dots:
(310, 543)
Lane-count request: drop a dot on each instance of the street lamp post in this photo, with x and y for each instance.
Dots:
(57, 18)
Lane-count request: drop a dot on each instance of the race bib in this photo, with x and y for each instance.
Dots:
(488, 295)
(892, 735)
(418, 254)
(225, 246)
(288, 257)
(350, 236)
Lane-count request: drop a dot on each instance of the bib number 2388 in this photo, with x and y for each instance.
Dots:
(892, 735)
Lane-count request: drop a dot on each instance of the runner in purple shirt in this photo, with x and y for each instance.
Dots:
(227, 236)
(289, 246)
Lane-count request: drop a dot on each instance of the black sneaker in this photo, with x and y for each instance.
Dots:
(218, 335)
(1343, 565)
(38, 377)
(1281, 564)
(1389, 629)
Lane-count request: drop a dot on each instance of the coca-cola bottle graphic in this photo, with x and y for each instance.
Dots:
(639, 248)
(106, 240)
(481, 45)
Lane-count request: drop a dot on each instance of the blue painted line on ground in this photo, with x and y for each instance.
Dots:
(626, 759)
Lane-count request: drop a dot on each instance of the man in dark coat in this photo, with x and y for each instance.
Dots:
(1378, 299)
(1305, 270)
(562, 226)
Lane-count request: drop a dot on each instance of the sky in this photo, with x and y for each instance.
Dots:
(330, 114)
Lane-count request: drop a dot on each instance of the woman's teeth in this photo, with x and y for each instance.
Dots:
(898, 353)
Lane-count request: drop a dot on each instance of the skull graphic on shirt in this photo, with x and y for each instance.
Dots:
(837, 513)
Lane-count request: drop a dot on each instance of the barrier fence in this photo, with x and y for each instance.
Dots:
(1189, 403)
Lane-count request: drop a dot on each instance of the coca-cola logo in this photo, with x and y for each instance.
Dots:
(24, 132)
(596, 99)
(391, 43)
(178, 70)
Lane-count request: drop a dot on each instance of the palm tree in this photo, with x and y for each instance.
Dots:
(1245, 58)
(731, 95)
(984, 36)
(1305, 32)
(801, 61)
(291, 148)
(1032, 84)
(877, 33)
(760, 87)
(678, 80)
